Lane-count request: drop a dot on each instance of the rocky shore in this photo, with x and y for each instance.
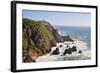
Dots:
(77, 51)
(40, 39)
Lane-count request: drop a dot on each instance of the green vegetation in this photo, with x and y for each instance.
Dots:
(37, 39)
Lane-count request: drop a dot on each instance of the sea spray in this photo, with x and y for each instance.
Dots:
(85, 55)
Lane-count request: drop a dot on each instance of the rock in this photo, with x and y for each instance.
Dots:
(80, 51)
(60, 46)
(73, 49)
(40, 36)
(67, 46)
(28, 59)
(65, 52)
(55, 52)
(55, 33)
(53, 43)
(58, 38)
(67, 38)
(69, 51)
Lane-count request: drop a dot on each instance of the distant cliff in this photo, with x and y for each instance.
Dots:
(38, 38)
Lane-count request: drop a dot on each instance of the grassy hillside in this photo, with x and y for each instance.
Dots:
(38, 39)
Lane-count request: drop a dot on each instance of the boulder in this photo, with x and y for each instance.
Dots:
(80, 51)
(56, 52)
(60, 46)
(65, 52)
(67, 46)
(69, 51)
(73, 49)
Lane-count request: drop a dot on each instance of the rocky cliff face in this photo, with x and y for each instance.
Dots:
(38, 38)
(55, 33)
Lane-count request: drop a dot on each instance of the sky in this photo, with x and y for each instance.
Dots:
(60, 18)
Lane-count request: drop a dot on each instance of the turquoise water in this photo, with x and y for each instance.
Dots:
(80, 33)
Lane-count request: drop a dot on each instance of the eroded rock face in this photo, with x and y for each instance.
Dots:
(58, 38)
(55, 33)
(53, 43)
(38, 38)
(29, 56)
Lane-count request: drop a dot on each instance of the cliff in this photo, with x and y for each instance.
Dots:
(38, 38)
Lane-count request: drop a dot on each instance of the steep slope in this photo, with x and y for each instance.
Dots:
(38, 38)
(55, 33)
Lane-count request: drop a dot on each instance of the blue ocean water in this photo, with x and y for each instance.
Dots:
(80, 33)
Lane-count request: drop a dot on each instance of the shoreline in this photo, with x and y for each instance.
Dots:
(86, 52)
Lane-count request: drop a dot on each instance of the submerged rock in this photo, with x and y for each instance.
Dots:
(67, 46)
(60, 46)
(80, 51)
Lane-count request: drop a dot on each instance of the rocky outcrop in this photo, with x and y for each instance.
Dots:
(80, 51)
(38, 38)
(56, 52)
(58, 38)
(73, 49)
(67, 38)
(70, 50)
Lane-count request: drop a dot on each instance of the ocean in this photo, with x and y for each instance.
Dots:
(77, 33)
